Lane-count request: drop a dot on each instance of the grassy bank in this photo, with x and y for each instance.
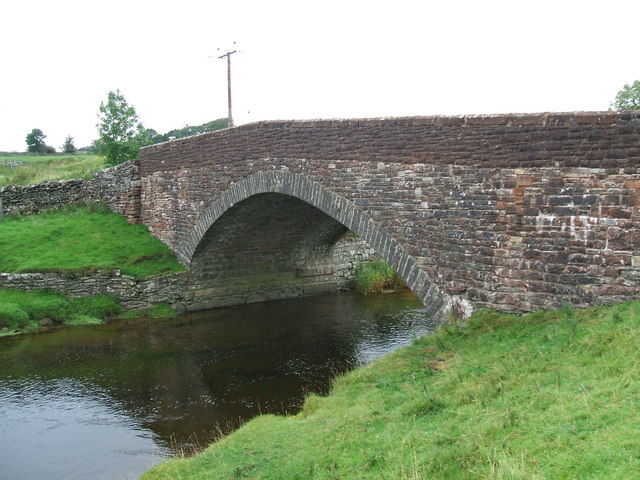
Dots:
(23, 310)
(81, 239)
(543, 396)
(40, 168)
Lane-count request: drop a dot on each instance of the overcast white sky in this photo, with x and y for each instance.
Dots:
(299, 60)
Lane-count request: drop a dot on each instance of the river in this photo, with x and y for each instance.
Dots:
(110, 401)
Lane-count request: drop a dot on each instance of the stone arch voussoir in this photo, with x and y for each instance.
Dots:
(342, 210)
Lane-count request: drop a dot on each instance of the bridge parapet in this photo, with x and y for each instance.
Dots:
(579, 139)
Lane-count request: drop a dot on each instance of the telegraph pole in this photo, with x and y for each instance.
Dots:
(228, 57)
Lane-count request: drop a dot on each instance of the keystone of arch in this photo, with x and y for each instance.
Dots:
(337, 207)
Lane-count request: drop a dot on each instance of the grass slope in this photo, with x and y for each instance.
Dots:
(23, 310)
(41, 168)
(81, 240)
(544, 396)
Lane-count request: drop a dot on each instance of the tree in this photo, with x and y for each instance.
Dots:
(68, 146)
(120, 130)
(35, 141)
(628, 98)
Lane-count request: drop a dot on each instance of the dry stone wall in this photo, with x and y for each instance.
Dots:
(117, 187)
(131, 292)
(514, 212)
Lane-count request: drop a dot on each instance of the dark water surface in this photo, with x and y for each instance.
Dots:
(109, 401)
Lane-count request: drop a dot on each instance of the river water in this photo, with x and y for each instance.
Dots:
(110, 401)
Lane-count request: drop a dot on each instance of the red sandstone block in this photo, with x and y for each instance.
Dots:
(560, 118)
(524, 180)
(617, 290)
(635, 183)
(596, 118)
(529, 119)
(487, 119)
(631, 200)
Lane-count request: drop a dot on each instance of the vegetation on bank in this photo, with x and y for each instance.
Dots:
(375, 277)
(33, 169)
(22, 311)
(82, 239)
(543, 396)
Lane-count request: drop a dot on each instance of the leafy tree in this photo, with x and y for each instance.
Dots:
(148, 136)
(68, 146)
(120, 130)
(628, 98)
(35, 141)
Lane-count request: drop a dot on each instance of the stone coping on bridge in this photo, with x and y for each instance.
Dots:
(542, 119)
(608, 140)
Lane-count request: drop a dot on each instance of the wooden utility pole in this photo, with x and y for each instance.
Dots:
(228, 57)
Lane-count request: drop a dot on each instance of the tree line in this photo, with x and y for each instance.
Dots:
(121, 133)
(36, 144)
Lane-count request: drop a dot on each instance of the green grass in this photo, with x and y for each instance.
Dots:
(40, 168)
(21, 311)
(375, 277)
(552, 395)
(79, 240)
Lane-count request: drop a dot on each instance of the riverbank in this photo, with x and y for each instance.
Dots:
(80, 239)
(33, 311)
(80, 264)
(546, 395)
(28, 311)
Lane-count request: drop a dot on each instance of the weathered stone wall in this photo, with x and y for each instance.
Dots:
(514, 212)
(117, 187)
(131, 292)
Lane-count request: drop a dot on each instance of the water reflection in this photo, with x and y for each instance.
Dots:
(112, 400)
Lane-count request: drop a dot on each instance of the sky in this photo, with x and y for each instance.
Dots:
(305, 60)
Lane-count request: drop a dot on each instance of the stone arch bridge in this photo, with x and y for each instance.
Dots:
(513, 212)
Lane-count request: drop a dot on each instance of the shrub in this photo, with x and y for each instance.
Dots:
(374, 277)
(13, 317)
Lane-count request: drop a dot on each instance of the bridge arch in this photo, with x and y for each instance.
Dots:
(342, 212)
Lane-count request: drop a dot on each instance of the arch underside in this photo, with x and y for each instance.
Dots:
(272, 235)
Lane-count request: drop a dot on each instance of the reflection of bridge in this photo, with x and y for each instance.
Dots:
(515, 212)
